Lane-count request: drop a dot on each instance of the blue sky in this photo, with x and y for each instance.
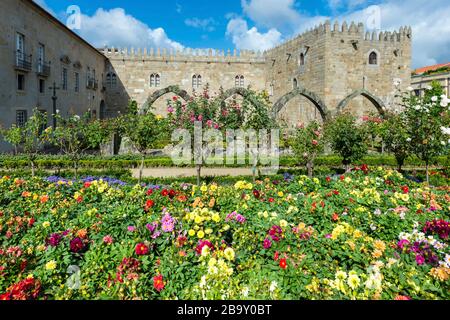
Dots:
(251, 24)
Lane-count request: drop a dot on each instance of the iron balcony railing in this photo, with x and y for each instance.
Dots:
(92, 84)
(43, 68)
(23, 61)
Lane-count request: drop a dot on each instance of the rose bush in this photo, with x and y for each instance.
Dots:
(369, 234)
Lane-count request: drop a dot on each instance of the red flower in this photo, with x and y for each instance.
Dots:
(87, 185)
(342, 177)
(405, 189)
(283, 264)
(271, 199)
(336, 192)
(149, 191)
(172, 193)
(165, 193)
(31, 222)
(158, 283)
(328, 179)
(175, 98)
(335, 217)
(79, 199)
(141, 249)
(149, 204)
(256, 194)
(276, 256)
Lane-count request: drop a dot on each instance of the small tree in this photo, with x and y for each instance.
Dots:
(425, 118)
(31, 137)
(347, 138)
(13, 135)
(75, 135)
(145, 132)
(394, 133)
(308, 143)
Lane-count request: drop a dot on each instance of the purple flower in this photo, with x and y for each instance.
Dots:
(328, 236)
(420, 260)
(54, 239)
(156, 235)
(76, 245)
(167, 223)
(402, 244)
(267, 243)
(152, 226)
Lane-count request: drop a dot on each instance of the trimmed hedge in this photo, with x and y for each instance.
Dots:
(129, 162)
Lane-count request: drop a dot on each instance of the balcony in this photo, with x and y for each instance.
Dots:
(23, 61)
(92, 84)
(43, 68)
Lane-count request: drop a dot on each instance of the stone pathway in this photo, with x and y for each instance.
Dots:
(191, 172)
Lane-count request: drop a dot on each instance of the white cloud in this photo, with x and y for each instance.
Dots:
(205, 24)
(251, 39)
(116, 28)
(278, 14)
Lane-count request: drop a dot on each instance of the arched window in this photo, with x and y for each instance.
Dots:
(111, 80)
(196, 81)
(155, 80)
(302, 59)
(373, 58)
(239, 81)
(295, 83)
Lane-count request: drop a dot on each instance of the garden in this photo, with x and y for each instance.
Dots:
(326, 227)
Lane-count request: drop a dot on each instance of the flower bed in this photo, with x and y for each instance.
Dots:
(370, 234)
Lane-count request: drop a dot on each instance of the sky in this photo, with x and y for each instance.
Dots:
(249, 24)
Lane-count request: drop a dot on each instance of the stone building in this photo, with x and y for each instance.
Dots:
(36, 50)
(326, 70)
(423, 77)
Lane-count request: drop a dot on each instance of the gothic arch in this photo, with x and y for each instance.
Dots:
(377, 102)
(159, 93)
(245, 93)
(316, 101)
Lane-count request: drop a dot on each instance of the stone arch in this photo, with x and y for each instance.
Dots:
(311, 96)
(377, 102)
(159, 93)
(243, 92)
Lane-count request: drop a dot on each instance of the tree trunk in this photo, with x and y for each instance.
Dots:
(309, 167)
(199, 171)
(75, 163)
(32, 168)
(347, 167)
(141, 168)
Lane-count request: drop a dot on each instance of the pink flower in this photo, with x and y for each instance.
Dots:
(200, 118)
(315, 142)
(108, 239)
(216, 126)
(131, 228)
(170, 109)
(267, 243)
(420, 260)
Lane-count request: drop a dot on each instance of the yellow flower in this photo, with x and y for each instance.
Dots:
(283, 223)
(213, 187)
(198, 220)
(191, 233)
(280, 194)
(216, 217)
(377, 253)
(357, 234)
(46, 224)
(212, 262)
(200, 234)
(203, 188)
(379, 245)
(51, 265)
(353, 281)
(229, 254)
(208, 231)
(159, 117)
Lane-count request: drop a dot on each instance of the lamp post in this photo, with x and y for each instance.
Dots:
(54, 98)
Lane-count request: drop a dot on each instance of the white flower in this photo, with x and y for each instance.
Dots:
(373, 227)
(76, 117)
(445, 130)
(57, 111)
(202, 282)
(434, 99)
(443, 143)
(377, 212)
(408, 140)
(273, 286)
(402, 215)
(245, 292)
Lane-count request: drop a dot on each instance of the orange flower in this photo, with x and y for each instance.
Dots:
(82, 233)
(26, 194)
(44, 198)
(335, 217)
(182, 198)
(212, 202)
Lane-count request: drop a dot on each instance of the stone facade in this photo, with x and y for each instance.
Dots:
(326, 70)
(328, 64)
(63, 49)
(420, 82)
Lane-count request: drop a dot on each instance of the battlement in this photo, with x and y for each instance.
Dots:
(404, 34)
(203, 55)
